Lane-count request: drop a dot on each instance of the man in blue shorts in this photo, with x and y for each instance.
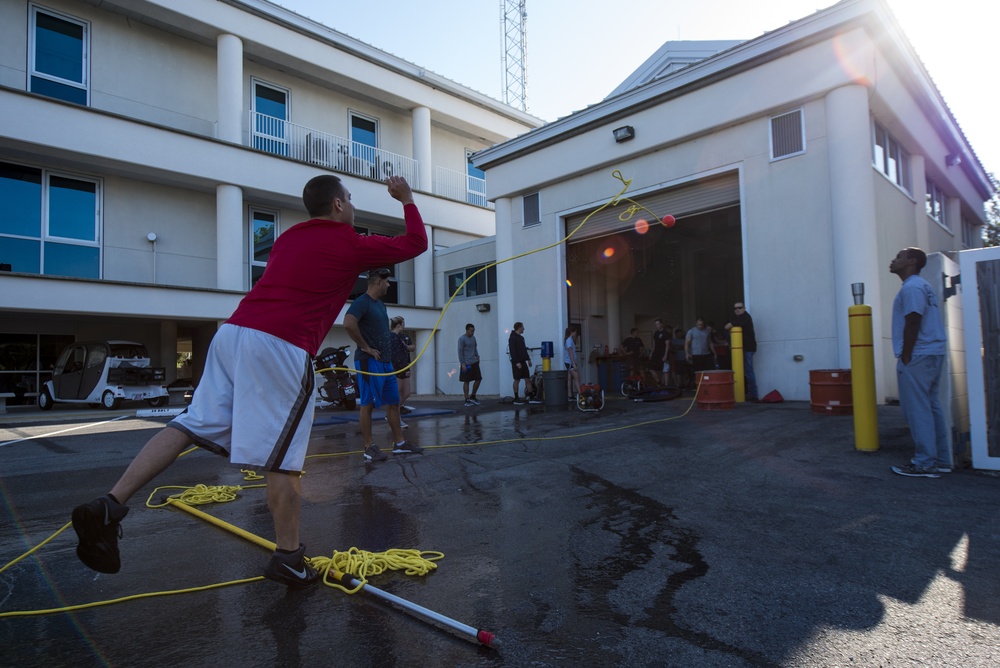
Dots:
(367, 323)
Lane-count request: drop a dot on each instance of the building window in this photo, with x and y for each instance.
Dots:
(889, 158)
(475, 182)
(364, 137)
(483, 283)
(532, 212)
(270, 118)
(935, 203)
(788, 135)
(59, 56)
(970, 233)
(52, 222)
(263, 228)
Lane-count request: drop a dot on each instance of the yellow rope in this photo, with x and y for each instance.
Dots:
(361, 564)
(358, 563)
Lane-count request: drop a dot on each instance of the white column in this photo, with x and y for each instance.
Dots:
(614, 313)
(852, 195)
(507, 309)
(423, 273)
(229, 237)
(422, 148)
(229, 88)
(918, 183)
(427, 365)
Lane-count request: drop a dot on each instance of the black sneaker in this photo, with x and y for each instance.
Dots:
(291, 569)
(406, 448)
(373, 453)
(98, 526)
(532, 399)
(912, 471)
(474, 401)
(518, 401)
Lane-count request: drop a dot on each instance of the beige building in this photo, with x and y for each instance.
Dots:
(151, 150)
(796, 164)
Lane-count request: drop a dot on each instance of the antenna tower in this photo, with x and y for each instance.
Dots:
(513, 18)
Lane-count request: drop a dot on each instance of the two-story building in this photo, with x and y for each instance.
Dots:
(151, 151)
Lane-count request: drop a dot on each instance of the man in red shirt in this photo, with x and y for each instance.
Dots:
(255, 401)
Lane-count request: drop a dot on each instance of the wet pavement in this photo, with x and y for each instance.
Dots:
(646, 534)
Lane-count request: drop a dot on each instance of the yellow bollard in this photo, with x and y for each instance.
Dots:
(736, 352)
(863, 378)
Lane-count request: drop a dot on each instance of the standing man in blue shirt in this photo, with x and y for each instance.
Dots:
(920, 344)
(367, 323)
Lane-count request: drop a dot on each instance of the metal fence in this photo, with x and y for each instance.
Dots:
(462, 187)
(280, 137)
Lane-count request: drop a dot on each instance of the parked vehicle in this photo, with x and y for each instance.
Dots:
(104, 373)
(340, 387)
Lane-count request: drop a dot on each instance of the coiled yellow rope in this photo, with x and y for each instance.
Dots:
(361, 564)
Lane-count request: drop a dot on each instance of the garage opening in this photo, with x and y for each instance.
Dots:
(626, 273)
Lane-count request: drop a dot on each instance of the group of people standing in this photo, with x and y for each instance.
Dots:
(677, 355)
(520, 365)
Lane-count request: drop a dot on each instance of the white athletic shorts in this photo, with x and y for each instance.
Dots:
(254, 402)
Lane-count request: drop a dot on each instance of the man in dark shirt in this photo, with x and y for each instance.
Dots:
(520, 365)
(633, 347)
(743, 320)
(658, 358)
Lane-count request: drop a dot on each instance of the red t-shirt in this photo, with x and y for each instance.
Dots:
(311, 271)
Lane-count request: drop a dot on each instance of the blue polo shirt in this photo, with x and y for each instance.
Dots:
(916, 296)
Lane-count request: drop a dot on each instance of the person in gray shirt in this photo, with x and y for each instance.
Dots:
(698, 347)
(468, 360)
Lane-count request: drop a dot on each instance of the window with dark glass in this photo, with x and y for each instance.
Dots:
(58, 56)
(52, 223)
(263, 227)
(475, 188)
(270, 106)
(482, 283)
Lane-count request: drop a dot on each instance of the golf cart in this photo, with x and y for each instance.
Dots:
(104, 373)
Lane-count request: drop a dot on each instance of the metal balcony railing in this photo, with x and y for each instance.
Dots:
(462, 187)
(280, 137)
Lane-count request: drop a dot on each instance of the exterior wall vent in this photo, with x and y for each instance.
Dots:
(788, 135)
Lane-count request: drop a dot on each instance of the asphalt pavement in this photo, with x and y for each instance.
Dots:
(646, 534)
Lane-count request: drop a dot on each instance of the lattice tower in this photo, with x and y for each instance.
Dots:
(513, 19)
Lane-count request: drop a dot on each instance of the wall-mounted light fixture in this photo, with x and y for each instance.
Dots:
(624, 133)
(483, 308)
(953, 159)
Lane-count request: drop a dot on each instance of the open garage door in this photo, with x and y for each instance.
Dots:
(703, 196)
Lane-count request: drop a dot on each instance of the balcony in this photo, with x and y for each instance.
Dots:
(273, 135)
(461, 187)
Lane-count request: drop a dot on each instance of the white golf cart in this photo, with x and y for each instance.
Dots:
(104, 373)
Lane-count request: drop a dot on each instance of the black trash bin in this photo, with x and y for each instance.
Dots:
(555, 388)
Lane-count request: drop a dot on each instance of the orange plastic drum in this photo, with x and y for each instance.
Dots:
(830, 392)
(716, 390)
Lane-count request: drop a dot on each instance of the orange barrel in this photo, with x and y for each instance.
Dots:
(830, 392)
(715, 390)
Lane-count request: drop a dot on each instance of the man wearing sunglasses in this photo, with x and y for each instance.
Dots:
(743, 320)
(367, 323)
(254, 402)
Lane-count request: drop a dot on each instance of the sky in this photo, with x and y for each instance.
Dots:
(576, 57)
